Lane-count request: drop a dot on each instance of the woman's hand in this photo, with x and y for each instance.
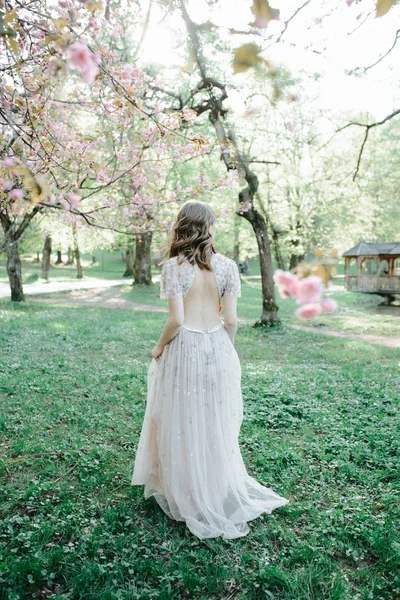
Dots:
(156, 352)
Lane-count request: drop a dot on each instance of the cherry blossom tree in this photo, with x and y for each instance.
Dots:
(76, 128)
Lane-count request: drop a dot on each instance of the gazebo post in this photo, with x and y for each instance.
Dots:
(359, 261)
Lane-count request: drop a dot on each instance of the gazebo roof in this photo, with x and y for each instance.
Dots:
(375, 249)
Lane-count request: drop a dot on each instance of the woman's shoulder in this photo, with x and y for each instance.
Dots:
(169, 261)
(181, 261)
(224, 259)
(176, 261)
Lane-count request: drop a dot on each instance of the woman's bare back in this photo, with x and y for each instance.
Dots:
(202, 302)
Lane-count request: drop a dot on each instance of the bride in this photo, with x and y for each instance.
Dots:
(188, 455)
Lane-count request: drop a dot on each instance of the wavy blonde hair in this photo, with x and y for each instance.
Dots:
(190, 238)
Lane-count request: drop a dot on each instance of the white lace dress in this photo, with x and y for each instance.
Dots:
(188, 455)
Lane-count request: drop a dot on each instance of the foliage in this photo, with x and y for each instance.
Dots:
(319, 427)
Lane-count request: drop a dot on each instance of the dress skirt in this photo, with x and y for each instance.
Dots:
(188, 455)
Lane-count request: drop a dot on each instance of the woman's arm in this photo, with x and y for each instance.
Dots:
(230, 316)
(171, 328)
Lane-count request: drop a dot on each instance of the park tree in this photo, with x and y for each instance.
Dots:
(208, 83)
(75, 123)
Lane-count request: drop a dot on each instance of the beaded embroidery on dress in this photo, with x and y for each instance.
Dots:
(188, 456)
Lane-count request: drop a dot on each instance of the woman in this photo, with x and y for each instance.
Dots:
(188, 455)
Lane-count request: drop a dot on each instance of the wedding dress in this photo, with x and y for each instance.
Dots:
(188, 456)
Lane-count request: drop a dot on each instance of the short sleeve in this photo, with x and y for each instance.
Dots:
(232, 287)
(170, 286)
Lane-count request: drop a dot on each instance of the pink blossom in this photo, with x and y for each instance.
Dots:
(308, 311)
(329, 305)
(89, 74)
(309, 290)
(189, 115)
(284, 293)
(73, 200)
(261, 23)
(80, 57)
(287, 283)
(9, 161)
(6, 184)
(16, 194)
(64, 204)
(254, 110)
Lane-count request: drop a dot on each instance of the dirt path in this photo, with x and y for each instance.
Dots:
(47, 287)
(113, 297)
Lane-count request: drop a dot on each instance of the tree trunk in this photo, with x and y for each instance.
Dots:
(12, 236)
(129, 271)
(59, 258)
(37, 257)
(277, 250)
(236, 244)
(77, 254)
(142, 266)
(234, 159)
(70, 259)
(295, 259)
(14, 271)
(269, 315)
(46, 257)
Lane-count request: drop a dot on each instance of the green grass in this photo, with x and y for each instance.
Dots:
(357, 313)
(320, 427)
(109, 265)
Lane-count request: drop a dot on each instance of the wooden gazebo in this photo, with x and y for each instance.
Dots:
(373, 269)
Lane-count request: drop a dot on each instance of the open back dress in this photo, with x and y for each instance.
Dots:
(188, 456)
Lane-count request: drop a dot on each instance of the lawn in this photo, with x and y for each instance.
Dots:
(321, 427)
(108, 265)
(357, 313)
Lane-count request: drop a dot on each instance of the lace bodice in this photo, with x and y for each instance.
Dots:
(176, 280)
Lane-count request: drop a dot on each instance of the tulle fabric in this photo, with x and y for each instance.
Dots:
(188, 455)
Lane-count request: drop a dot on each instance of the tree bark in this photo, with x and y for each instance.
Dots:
(14, 271)
(70, 259)
(12, 235)
(234, 159)
(295, 259)
(236, 243)
(269, 315)
(77, 254)
(129, 257)
(59, 258)
(277, 250)
(142, 265)
(46, 257)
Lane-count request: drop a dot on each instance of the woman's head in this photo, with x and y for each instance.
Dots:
(193, 233)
